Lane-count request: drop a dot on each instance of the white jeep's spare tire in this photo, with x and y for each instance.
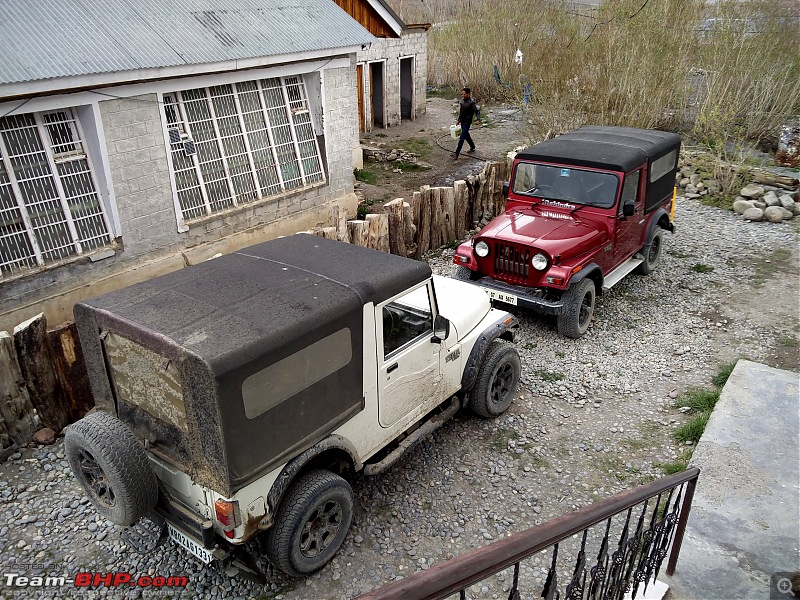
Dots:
(112, 467)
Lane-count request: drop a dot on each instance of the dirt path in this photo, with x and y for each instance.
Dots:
(429, 137)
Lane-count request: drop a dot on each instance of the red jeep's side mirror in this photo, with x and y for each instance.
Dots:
(629, 208)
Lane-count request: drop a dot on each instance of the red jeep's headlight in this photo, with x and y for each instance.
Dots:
(539, 262)
(482, 249)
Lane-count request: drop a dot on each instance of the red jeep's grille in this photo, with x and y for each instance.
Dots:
(512, 264)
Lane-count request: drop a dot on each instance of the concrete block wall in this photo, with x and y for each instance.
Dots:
(140, 166)
(413, 43)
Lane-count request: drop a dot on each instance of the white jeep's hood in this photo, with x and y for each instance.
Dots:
(463, 304)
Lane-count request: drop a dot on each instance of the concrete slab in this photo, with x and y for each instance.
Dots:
(745, 521)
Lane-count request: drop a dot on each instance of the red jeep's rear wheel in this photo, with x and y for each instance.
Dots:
(652, 253)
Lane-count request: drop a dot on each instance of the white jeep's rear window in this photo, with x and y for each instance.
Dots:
(146, 379)
(291, 375)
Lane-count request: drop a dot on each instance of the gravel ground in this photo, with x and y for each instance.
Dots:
(594, 416)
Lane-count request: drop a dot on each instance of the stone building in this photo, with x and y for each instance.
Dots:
(391, 73)
(139, 136)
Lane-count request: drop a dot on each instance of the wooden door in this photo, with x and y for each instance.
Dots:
(360, 86)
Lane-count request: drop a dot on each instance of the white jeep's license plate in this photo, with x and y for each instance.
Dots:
(184, 541)
(502, 296)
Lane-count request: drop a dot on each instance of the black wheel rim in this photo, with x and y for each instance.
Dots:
(96, 479)
(586, 310)
(501, 383)
(321, 528)
(655, 248)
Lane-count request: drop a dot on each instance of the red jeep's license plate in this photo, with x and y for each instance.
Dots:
(502, 296)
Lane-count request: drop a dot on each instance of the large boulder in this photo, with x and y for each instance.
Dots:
(752, 191)
(774, 214)
(740, 205)
(787, 214)
(771, 198)
(796, 208)
(753, 214)
(786, 201)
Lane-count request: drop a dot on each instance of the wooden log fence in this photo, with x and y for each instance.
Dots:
(433, 217)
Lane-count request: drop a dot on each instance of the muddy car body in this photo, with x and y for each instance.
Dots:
(583, 210)
(241, 394)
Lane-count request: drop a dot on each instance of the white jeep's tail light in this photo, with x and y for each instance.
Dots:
(482, 249)
(539, 262)
(226, 513)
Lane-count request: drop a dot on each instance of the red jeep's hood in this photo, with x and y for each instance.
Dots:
(552, 230)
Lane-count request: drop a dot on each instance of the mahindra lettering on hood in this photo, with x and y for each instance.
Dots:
(583, 210)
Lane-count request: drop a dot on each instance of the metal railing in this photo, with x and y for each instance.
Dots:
(649, 519)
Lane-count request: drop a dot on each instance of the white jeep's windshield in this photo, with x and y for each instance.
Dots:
(567, 184)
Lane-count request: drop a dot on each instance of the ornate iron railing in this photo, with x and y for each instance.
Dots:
(643, 523)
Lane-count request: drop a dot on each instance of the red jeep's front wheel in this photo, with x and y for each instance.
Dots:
(578, 309)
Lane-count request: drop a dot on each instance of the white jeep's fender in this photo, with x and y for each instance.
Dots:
(463, 304)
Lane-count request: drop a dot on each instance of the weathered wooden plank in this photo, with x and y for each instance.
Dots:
(488, 196)
(16, 410)
(330, 233)
(409, 230)
(478, 210)
(499, 200)
(424, 227)
(397, 236)
(436, 218)
(448, 210)
(378, 232)
(38, 371)
(358, 232)
(71, 370)
(461, 198)
(339, 221)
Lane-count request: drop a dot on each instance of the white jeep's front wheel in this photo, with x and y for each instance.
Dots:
(497, 382)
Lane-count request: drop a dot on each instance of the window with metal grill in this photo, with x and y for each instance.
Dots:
(49, 205)
(237, 143)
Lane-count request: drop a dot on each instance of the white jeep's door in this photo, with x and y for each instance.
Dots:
(408, 375)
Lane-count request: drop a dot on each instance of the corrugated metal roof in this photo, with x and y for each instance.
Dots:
(44, 39)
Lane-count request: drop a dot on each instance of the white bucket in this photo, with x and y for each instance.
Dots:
(455, 131)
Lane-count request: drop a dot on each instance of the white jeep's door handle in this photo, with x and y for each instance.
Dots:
(392, 367)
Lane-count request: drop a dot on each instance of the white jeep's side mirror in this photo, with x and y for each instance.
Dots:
(441, 329)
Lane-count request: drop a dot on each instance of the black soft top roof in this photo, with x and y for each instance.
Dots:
(617, 148)
(235, 308)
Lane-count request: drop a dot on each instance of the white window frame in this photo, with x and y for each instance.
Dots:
(307, 180)
(76, 239)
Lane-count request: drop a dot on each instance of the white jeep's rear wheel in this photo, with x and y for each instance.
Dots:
(112, 467)
(311, 523)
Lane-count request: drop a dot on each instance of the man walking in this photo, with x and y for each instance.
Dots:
(467, 109)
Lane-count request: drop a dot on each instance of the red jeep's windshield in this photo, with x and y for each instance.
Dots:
(567, 184)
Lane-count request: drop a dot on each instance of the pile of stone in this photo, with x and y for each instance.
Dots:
(693, 185)
(390, 155)
(758, 203)
(755, 202)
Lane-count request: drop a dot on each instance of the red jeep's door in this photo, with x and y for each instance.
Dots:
(629, 230)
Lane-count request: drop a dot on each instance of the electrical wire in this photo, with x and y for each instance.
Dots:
(23, 103)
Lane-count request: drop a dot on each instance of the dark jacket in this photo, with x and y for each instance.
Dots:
(466, 110)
